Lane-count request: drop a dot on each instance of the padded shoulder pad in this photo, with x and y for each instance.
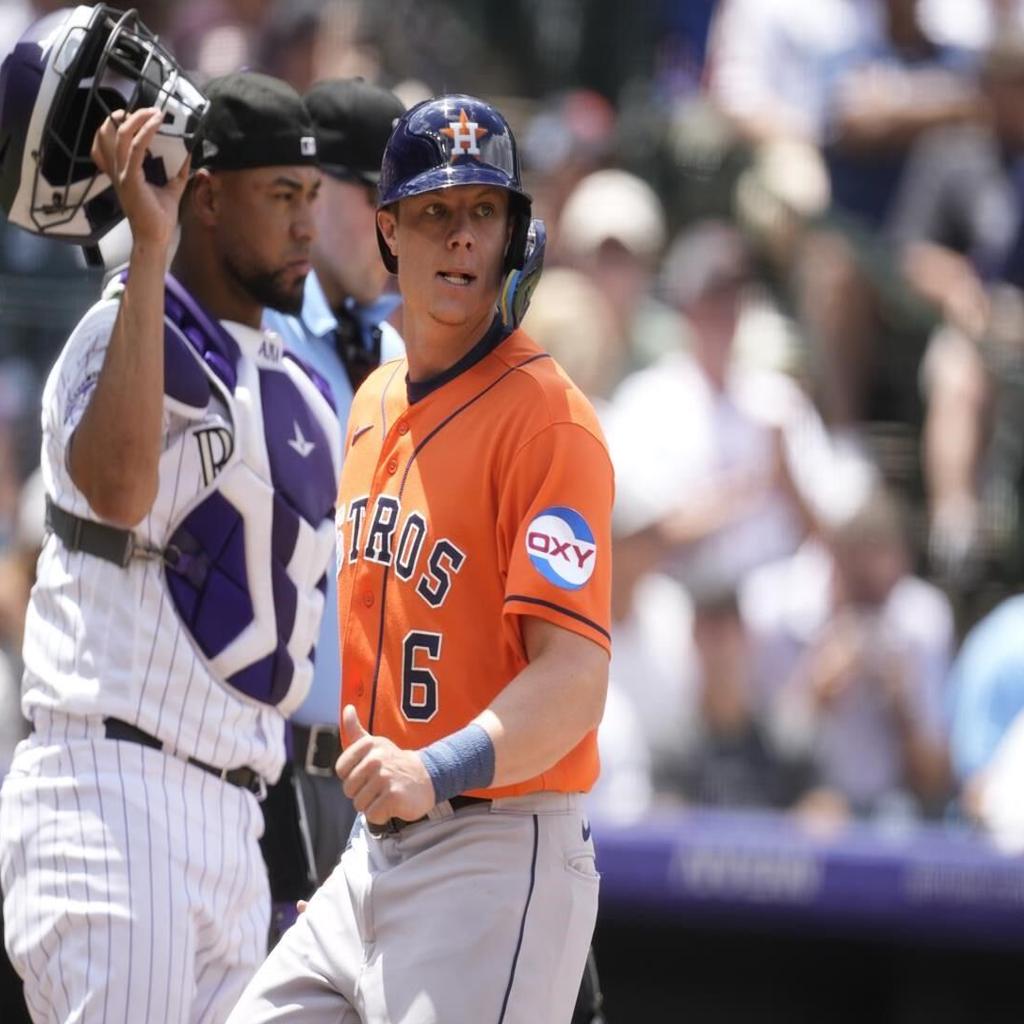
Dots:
(321, 382)
(185, 381)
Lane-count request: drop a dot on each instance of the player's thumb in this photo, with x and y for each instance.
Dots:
(351, 728)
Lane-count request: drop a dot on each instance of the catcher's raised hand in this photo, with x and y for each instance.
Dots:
(118, 150)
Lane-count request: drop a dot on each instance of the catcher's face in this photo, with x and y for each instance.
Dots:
(266, 228)
(450, 246)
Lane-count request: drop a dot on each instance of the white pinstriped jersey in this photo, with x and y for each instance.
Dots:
(105, 641)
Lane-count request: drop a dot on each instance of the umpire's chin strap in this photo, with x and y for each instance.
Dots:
(106, 542)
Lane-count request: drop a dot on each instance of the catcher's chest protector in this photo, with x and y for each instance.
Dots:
(245, 564)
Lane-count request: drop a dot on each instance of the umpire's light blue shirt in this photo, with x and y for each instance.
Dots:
(310, 335)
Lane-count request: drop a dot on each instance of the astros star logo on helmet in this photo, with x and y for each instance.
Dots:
(464, 135)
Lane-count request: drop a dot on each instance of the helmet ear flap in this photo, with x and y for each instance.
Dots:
(519, 212)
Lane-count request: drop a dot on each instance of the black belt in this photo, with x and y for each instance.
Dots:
(246, 778)
(316, 748)
(393, 826)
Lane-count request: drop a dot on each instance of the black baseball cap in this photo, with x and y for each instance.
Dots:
(353, 121)
(254, 120)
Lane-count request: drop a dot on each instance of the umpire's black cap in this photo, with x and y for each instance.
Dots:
(353, 121)
(254, 120)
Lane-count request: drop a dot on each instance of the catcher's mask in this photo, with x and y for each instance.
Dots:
(454, 140)
(66, 74)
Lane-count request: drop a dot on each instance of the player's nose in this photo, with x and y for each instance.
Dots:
(461, 233)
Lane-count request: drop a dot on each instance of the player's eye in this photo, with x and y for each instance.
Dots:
(434, 209)
(485, 209)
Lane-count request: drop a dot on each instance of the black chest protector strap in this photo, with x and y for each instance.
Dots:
(106, 542)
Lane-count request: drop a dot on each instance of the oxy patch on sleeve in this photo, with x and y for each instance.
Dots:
(561, 547)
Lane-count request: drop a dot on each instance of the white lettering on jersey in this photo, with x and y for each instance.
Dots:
(216, 445)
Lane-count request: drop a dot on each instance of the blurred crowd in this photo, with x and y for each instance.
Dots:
(785, 261)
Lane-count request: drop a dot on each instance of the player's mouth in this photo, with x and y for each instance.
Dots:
(299, 267)
(459, 280)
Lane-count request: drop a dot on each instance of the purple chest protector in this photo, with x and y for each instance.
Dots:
(245, 566)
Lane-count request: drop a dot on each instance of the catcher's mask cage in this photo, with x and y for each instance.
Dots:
(65, 76)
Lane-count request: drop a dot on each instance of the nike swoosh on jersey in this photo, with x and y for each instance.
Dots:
(358, 433)
(299, 442)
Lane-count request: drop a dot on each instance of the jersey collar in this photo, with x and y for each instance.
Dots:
(418, 390)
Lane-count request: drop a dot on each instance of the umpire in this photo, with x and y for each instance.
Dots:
(341, 332)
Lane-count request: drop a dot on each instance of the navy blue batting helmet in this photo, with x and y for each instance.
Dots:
(454, 140)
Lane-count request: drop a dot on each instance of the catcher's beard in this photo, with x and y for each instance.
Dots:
(267, 287)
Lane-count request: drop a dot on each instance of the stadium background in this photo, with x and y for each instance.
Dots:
(726, 898)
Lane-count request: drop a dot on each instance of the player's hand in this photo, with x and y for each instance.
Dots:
(118, 150)
(380, 778)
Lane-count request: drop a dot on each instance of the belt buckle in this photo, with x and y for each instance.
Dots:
(257, 785)
(391, 827)
(310, 767)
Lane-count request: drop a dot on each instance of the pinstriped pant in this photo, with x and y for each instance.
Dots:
(134, 889)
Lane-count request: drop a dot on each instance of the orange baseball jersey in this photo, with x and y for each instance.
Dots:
(463, 506)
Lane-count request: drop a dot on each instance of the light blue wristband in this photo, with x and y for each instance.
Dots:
(460, 762)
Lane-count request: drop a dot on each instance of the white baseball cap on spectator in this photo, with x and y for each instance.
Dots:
(612, 206)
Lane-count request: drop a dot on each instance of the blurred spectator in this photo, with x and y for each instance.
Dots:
(45, 288)
(214, 37)
(653, 668)
(570, 136)
(17, 574)
(612, 228)
(959, 222)
(974, 24)
(854, 652)
(963, 189)
(623, 790)
(571, 319)
(862, 81)
(723, 463)
(18, 564)
(286, 46)
(728, 758)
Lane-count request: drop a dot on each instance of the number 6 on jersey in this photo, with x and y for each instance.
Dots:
(419, 684)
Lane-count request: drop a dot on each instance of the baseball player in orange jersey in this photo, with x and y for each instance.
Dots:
(474, 577)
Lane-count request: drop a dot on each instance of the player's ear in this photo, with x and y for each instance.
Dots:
(204, 195)
(387, 222)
